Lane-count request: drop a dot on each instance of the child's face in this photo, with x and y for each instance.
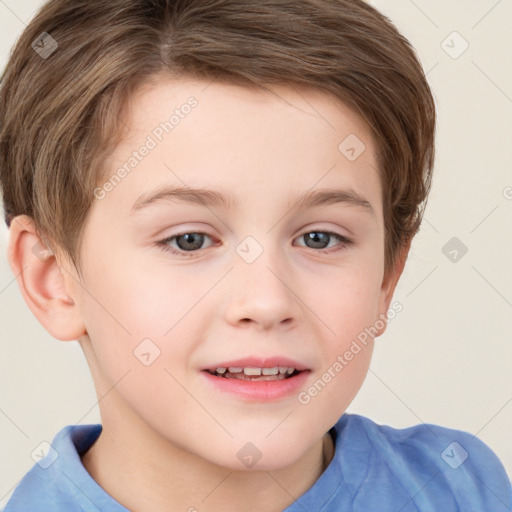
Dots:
(251, 284)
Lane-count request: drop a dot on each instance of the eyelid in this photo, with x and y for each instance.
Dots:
(344, 242)
(164, 242)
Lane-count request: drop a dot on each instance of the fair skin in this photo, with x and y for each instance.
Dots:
(170, 436)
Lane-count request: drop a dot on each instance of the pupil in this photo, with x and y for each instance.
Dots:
(318, 238)
(189, 239)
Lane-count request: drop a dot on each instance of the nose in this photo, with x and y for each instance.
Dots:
(262, 293)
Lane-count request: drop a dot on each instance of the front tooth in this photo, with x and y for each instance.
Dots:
(235, 369)
(282, 369)
(220, 370)
(289, 371)
(252, 371)
(270, 371)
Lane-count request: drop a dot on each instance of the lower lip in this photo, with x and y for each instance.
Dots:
(260, 391)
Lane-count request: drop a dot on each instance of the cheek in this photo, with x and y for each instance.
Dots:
(336, 386)
(349, 309)
(139, 326)
(139, 300)
(348, 302)
(136, 315)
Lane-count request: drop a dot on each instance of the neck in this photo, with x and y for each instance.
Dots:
(156, 473)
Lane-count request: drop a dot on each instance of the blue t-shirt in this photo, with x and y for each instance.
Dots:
(375, 468)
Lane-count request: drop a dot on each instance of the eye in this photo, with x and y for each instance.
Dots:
(186, 242)
(191, 241)
(321, 239)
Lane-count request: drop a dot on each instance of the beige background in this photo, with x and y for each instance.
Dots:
(446, 358)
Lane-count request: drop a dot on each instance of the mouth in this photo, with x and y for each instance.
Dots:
(258, 379)
(250, 373)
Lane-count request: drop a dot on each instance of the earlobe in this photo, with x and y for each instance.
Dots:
(41, 281)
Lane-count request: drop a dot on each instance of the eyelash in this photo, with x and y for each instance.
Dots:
(163, 244)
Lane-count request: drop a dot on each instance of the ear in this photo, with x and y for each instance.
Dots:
(390, 281)
(41, 281)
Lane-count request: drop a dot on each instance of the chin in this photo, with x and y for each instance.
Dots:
(260, 455)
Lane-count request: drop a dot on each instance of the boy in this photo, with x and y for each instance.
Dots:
(294, 139)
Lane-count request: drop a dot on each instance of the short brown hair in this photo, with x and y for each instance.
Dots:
(60, 114)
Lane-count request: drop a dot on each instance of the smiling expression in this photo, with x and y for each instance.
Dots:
(247, 239)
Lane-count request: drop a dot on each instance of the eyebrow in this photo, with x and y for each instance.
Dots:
(213, 198)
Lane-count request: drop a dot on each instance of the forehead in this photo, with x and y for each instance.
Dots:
(155, 101)
(202, 134)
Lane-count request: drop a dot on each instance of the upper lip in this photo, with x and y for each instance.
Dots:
(259, 362)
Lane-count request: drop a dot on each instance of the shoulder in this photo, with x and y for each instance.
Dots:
(441, 446)
(52, 483)
(435, 461)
